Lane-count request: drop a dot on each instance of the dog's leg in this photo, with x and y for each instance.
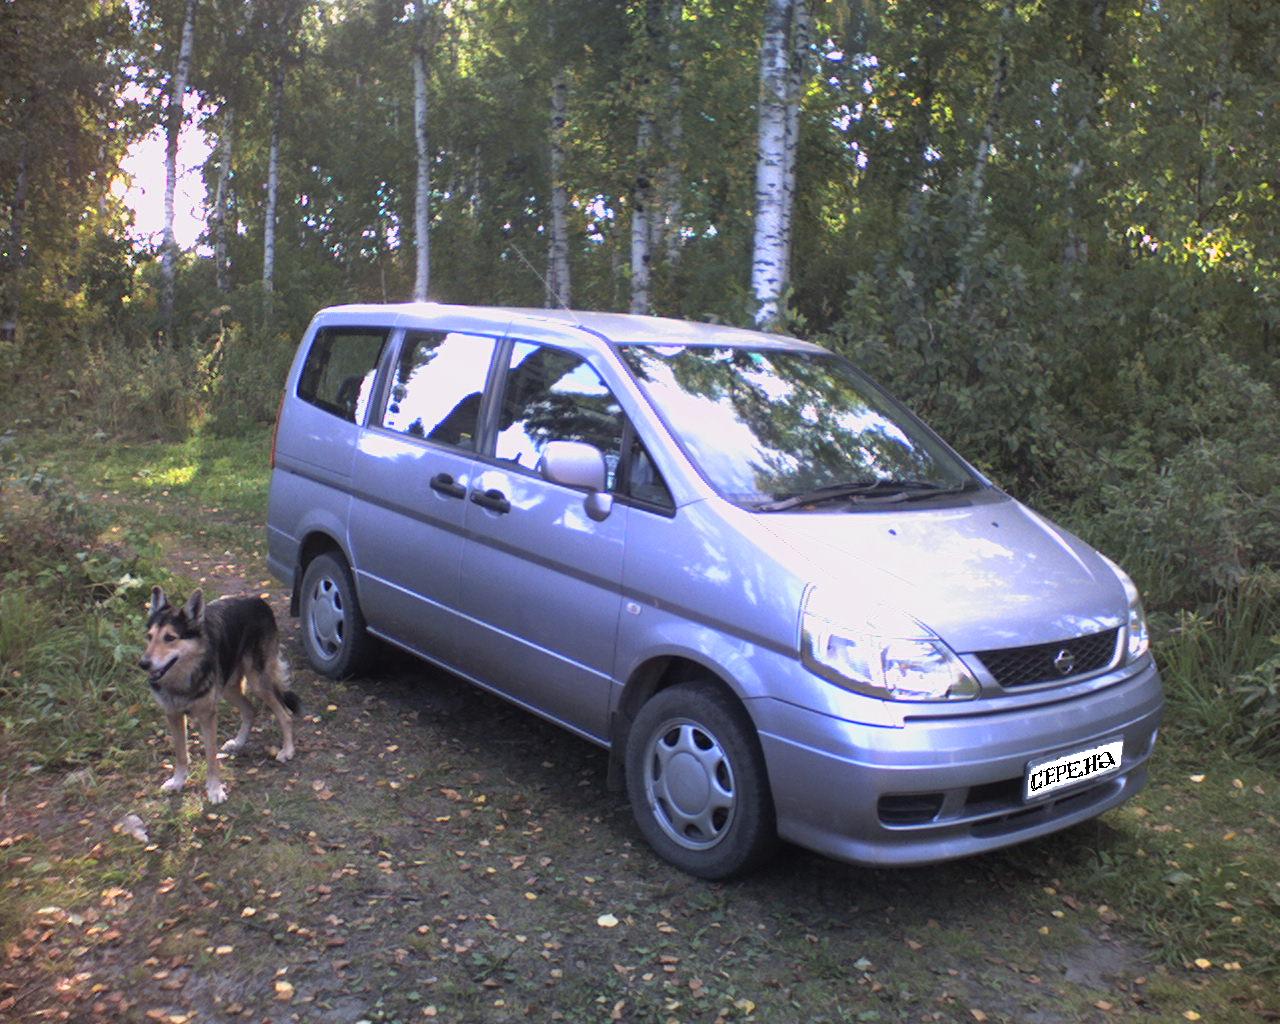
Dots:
(235, 694)
(273, 682)
(213, 784)
(178, 734)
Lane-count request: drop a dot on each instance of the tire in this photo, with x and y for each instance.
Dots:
(333, 628)
(697, 783)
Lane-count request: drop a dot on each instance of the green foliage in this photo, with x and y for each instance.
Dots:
(70, 622)
(1222, 669)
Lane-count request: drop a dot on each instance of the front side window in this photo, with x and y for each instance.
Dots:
(435, 393)
(340, 369)
(552, 395)
(773, 429)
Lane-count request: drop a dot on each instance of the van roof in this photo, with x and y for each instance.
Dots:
(617, 328)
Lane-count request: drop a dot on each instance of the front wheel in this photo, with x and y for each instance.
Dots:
(333, 628)
(697, 782)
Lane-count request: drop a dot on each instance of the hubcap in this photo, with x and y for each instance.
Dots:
(326, 620)
(689, 783)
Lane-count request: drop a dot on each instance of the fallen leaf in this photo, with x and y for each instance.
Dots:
(607, 921)
(284, 991)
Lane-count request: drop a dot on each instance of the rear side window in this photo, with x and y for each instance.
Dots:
(439, 380)
(340, 369)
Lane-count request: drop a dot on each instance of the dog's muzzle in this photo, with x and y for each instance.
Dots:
(154, 675)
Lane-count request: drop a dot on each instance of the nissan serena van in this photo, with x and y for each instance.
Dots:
(783, 604)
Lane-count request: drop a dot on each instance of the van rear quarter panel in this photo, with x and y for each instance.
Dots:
(311, 481)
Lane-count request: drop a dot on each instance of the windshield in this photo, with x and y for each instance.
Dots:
(775, 429)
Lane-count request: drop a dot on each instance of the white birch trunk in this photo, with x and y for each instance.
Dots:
(643, 206)
(173, 129)
(219, 225)
(558, 290)
(641, 209)
(273, 187)
(769, 249)
(670, 239)
(422, 194)
(982, 157)
(797, 82)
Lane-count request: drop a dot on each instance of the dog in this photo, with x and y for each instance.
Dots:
(199, 652)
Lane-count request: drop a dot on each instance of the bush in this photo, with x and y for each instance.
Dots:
(244, 378)
(71, 615)
(1189, 501)
(1222, 669)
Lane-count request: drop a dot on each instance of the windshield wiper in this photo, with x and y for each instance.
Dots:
(879, 490)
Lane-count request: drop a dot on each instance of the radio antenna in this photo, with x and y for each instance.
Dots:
(546, 285)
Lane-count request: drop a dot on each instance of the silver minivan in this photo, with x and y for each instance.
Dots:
(782, 603)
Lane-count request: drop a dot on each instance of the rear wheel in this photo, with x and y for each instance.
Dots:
(333, 628)
(697, 782)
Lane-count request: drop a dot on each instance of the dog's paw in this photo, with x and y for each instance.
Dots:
(174, 783)
(216, 791)
(285, 754)
(233, 745)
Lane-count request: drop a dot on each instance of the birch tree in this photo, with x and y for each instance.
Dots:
(218, 218)
(273, 185)
(643, 211)
(558, 286)
(673, 180)
(771, 242)
(423, 38)
(977, 206)
(797, 81)
(173, 129)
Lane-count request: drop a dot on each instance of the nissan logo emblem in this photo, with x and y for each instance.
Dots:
(1064, 661)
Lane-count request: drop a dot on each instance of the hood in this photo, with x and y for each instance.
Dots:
(984, 576)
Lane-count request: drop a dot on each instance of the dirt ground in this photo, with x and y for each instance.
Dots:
(435, 854)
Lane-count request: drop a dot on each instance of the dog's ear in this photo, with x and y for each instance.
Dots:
(193, 610)
(159, 602)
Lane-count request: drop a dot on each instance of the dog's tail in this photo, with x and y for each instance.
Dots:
(281, 681)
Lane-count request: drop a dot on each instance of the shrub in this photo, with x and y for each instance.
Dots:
(1221, 669)
(70, 624)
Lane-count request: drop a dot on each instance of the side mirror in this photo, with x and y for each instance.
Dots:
(579, 465)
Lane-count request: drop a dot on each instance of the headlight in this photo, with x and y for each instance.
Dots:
(886, 654)
(1137, 638)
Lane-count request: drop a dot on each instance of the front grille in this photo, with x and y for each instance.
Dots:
(1046, 663)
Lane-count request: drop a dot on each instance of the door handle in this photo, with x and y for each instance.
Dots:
(443, 483)
(493, 500)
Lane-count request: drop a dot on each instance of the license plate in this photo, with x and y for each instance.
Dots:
(1053, 774)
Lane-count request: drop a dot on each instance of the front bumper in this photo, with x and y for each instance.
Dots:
(948, 786)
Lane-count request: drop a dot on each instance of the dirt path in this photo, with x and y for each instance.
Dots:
(435, 854)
